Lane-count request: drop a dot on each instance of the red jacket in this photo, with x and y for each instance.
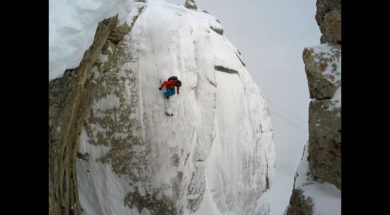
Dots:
(170, 84)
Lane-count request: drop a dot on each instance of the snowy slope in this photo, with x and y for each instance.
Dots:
(214, 156)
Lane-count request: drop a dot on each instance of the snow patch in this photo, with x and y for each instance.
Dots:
(336, 100)
(102, 58)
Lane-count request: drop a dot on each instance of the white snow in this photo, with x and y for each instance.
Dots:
(336, 100)
(326, 197)
(72, 26)
(92, 175)
(221, 128)
(102, 58)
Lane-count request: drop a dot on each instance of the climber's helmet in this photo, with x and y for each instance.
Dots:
(178, 83)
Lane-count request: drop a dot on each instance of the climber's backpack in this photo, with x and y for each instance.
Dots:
(172, 78)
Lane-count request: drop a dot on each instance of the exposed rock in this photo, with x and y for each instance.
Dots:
(105, 58)
(217, 30)
(301, 205)
(328, 17)
(84, 156)
(323, 74)
(320, 167)
(323, 71)
(152, 203)
(239, 57)
(118, 33)
(311, 195)
(321, 66)
(331, 27)
(224, 69)
(325, 142)
(190, 4)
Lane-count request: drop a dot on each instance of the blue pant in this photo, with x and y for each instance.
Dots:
(169, 92)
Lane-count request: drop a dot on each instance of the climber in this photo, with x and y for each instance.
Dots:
(170, 85)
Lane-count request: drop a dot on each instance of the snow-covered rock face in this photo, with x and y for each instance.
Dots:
(69, 100)
(214, 156)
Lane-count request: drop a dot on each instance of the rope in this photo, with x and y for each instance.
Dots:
(289, 122)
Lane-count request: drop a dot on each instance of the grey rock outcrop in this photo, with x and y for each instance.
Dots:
(322, 160)
(301, 205)
(321, 70)
(328, 17)
(190, 4)
(325, 142)
(323, 74)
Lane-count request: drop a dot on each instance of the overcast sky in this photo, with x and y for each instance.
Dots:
(271, 35)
